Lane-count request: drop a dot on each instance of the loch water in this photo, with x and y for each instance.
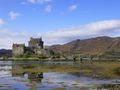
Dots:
(12, 78)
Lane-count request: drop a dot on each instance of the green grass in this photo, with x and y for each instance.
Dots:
(98, 69)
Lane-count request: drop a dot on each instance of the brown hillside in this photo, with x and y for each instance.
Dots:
(96, 45)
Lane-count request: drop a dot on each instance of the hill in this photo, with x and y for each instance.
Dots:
(4, 52)
(92, 46)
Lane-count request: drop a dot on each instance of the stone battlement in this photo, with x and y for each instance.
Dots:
(18, 45)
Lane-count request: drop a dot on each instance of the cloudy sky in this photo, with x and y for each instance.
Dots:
(57, 21)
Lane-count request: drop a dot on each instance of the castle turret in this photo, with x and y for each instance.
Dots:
(18, 49)
(36, 43)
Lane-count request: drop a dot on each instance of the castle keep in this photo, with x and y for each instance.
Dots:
(36, 43)
(18, 49)
(35, 46)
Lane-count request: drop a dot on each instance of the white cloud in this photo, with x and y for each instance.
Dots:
(13, 15)
(8, 37)
(2, 21)
(38, 1)
(48, 8)
(73, 7)
(45, 3)
(101, 28)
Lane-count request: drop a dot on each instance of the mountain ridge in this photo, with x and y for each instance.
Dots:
(97, 45)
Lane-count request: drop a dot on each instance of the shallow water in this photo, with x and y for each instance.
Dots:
(10, 80)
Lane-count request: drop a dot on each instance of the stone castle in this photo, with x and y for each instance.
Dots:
(35, 46)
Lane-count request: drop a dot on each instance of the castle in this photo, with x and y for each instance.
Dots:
(35, 46)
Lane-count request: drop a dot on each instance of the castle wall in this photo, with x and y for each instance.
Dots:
(18, 49)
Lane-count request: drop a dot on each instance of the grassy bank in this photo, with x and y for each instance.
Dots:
(96, 69)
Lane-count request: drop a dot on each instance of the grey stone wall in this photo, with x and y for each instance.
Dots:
(18, 49)
(36, 43)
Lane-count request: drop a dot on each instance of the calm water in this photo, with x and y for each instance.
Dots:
(12, 80)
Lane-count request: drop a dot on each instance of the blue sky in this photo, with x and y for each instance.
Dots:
(57, 21)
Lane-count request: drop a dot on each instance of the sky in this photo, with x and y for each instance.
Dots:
(57, 21)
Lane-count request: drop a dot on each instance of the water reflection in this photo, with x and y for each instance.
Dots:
(32, 76)
(13, 76)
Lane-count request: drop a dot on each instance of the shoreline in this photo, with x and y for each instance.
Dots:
(97, 69)
(100, 69)
(53, 59)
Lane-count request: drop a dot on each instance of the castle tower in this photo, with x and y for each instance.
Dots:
(18, 49)
(36, 43)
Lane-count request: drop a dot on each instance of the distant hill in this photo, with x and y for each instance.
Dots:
(4, 52)
(98, 45)
(104, 46)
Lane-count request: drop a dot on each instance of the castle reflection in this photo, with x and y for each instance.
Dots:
(18, 71)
